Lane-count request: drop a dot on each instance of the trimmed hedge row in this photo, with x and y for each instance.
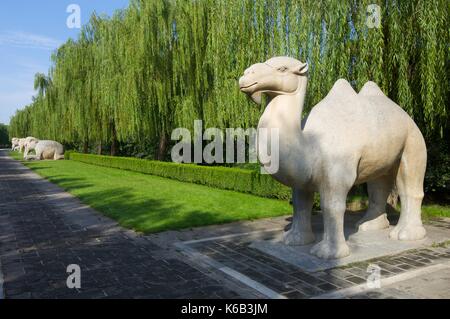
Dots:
(240, 180)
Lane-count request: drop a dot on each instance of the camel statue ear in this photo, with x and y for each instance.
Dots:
(302, 69)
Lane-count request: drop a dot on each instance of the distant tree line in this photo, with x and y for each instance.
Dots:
(4, 135)
(130, 79)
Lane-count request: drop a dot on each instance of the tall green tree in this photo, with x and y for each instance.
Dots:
(156, 65)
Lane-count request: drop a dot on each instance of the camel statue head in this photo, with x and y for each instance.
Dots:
(278, 75)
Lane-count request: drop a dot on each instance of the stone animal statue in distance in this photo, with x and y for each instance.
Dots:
(15, 144)
(45, 150)
(21, 146)
(347, 139)
(30, 140)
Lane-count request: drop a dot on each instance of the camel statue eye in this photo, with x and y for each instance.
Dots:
(282, 69)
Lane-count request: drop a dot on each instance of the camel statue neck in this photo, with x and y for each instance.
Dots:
(284, 112)
(289, 107)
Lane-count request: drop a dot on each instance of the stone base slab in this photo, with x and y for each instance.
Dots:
(363, 246)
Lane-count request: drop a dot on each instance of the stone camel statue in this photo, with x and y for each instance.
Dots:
(45, 150)
(346, 139)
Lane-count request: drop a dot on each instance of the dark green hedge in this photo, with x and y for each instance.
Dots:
(240, 180)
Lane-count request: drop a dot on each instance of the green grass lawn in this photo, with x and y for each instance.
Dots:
(149, 203)
(429, 211)
(16, 155)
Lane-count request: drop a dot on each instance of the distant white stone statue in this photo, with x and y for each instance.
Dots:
(21, 145)
(14, 143)
(45, 150)
(346, 139)
(29, 141)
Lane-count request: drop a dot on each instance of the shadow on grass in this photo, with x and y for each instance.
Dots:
(67, 183)
(141, 214)
(148, 215)
(37, 168)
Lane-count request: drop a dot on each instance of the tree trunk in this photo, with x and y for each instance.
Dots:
(113, 140)
(162, 148)
(86, 147)
(99, 148)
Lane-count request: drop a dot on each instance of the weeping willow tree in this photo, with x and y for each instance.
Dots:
(157, 65)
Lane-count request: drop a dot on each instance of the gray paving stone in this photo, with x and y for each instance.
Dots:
(43, 230)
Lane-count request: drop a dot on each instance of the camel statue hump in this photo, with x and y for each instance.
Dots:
(342, 86)
(341, 92)
(370, 89)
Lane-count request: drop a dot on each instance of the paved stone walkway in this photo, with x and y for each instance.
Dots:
(44, 229)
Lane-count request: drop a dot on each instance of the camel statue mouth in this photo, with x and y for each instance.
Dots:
(245, 87)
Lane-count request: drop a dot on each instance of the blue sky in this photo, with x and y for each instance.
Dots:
(29, 31)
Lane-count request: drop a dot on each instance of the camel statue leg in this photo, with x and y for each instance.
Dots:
(58, 157)
(38, 155)
(301, 232)
(376, 217)
(410, 188)
(30, 158)
(333, 204)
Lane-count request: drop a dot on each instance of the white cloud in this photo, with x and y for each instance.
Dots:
(21, 39)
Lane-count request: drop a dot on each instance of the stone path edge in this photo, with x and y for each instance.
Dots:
(267, 292)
